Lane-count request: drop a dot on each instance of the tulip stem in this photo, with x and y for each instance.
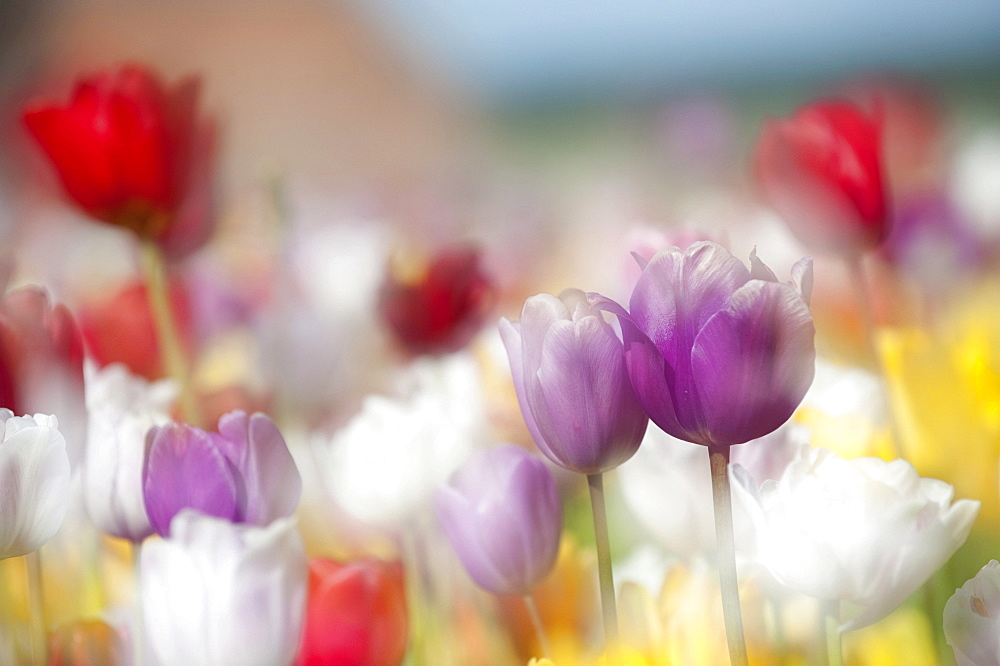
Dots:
(171, 351)
(138, 628)
(859, 282)
(718, 458)
(830, 630)
(607, 583)
(536, 621)
(36, 607)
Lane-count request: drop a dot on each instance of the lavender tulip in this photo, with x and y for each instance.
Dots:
(502, 514)
(244, 473)
(571, 382)
(717, 354)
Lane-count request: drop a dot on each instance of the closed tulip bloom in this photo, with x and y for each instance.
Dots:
(355, 614)
(122, 408)
(244, 473)
(863, 531)
(34, 482)
(572, 384)
(218, 593)
(972, 619)
(821, 170)
(86, 643)
(439, 308)
(718, 354)
(502, 514)
(131, 151)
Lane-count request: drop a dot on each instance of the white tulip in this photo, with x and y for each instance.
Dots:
(863, 531)
(219, 593)
(34, 482)
(122, 408)
(384, 465)
(972, 619)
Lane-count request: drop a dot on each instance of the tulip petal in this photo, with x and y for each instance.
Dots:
(34, 484)
(753, 362)
(802, 278)
(272, 485)
(582, 395)
(185, 469)
(510, 333)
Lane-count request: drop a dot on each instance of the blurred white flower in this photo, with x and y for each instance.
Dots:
(846, 408)
(972, 619)
(385, 463)
(863, 531)
(34, 482)
(121, 408)
(667, 485)
(220, 593)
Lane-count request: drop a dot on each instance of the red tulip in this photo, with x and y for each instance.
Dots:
(131, 152)
(439, 309)
(821, 170)
(120, 329)
(355, 614)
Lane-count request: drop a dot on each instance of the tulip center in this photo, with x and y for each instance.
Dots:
(142, 217)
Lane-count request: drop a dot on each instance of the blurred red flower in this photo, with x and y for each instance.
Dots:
(355, 614)
(821, 170)
(438, 308)
(131, 152)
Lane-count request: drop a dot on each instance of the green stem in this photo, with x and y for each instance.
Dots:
(171, 350)
(138, 628)
(830, 628)
(536, 621)
(36, 608)
(414, 601)
(607, 583)
(718, 458)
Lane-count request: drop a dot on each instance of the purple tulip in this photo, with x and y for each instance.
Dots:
(502, 514)
(717, 354)
(244, 473)
(569, 373)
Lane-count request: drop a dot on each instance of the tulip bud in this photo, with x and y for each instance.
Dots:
(132, 153)
(356, 614)
(972, 619)
(34, 470)
(244, 473)
(717, 354)
(571, 382)
(821, 170)
(439, 308)
(502, 514)
(86, 643)
(218, 593)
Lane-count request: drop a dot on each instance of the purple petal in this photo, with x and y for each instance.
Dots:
(753, 362)
(648, 372)
(184, 469)
(673, 299)
(582, 399)
(458, 520)
(510, 333)
(271, 482)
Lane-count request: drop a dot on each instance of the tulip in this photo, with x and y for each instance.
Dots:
(219, 593)
(383, 466)
(244, 473)
(571, 382)
(502, 514)
(35, 472)
(972, 619)
(717, 354)
(355, 614)
(41, 363)
(86, 643)
(821, 170)
(131, 152)
(442, 307)
(122, 408)
(863, 531)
